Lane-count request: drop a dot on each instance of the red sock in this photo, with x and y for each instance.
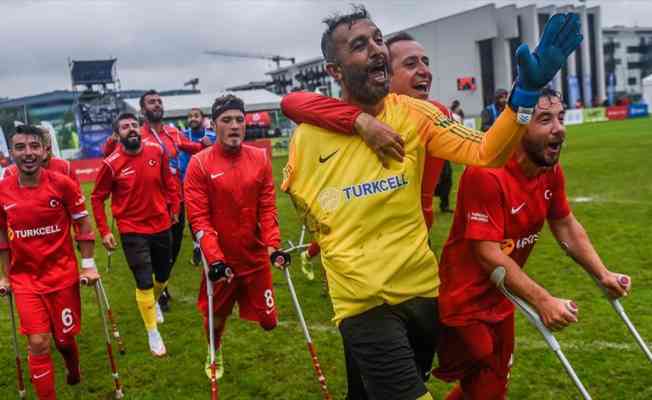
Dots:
(42, 370)
(455, 393)
(70, 353)
(219, 330)
(313, 249)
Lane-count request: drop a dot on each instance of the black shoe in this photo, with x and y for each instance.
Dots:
(196, 257)
(164, 301)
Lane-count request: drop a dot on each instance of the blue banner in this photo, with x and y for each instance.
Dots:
(611, 89)
(638, 110)
(588, 96)
(573, 91)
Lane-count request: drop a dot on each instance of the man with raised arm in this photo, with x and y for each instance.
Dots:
(366, 218)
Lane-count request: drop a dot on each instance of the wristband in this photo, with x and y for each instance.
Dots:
(88, 263)
(523, 98)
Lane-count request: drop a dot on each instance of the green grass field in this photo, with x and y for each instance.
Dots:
(608, 176)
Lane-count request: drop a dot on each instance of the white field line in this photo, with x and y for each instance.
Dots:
(521, 343)
(598, 199)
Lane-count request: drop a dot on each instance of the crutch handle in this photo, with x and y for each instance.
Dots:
(280, 258)
(83, 280)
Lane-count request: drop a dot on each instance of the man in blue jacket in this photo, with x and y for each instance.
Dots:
(197, 133)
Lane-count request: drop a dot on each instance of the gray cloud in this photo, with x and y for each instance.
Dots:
(159, 43)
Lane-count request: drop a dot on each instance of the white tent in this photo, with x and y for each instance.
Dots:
(647, 90)
(180, 106)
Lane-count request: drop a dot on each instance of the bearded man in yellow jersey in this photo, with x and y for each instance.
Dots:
(367, 219)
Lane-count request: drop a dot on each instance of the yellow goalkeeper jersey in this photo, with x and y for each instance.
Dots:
(366, 218)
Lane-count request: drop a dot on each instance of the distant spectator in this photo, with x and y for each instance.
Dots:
(579, 104)
(491, 113)
(456, 111)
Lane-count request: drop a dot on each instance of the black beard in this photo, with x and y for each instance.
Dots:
(130, 144)
(356, 80)
(154, 117)
(535, 153)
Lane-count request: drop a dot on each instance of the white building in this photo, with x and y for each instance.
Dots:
(477, 47)
(628, 56)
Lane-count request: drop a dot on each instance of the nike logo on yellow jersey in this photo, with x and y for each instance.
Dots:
(324, 159)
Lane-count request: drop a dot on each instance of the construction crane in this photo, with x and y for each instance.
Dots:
(193, 82)
(232, 53)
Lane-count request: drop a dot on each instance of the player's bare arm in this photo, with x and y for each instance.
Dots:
(554, 311)
(4, 262)
(576, 242)
(88, 272)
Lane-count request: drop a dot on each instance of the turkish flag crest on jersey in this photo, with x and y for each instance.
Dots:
(54, 202)
(152, 163)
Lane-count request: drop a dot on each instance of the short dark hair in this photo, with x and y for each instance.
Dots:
(399, 37)
(358, 12)
(197, 109)
(122, 117)
(147, 93)
(224, 103)
(550, 92)
(28, 130)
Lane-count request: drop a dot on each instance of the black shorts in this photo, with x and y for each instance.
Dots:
(148, 255)
(393, 347)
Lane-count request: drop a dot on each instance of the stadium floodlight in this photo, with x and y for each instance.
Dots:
(498, 278)
(618, 308)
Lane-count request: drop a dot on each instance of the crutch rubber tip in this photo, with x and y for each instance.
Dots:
(119, 394)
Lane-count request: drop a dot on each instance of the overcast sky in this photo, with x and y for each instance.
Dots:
(159, 43)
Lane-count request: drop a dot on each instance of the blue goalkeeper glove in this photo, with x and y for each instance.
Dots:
(561, 36)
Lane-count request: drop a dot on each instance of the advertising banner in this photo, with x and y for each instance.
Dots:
(86, 170)
(573, 117)
(617, 112)
(595, 114)
(638, 110)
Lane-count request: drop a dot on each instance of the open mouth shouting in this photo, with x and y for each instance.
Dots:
(378, 72)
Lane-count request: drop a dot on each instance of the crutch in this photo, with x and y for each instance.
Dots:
(109, 348)
(282, 258)
(618, 308)
(109, 253)
(211, 328)
(19, 368)
(498, 278)
(109, 314)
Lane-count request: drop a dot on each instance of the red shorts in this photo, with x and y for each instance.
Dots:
(58, 312)
(253, 292)
(479, 356)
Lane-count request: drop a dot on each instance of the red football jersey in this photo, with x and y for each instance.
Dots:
(495, 204)
(37, 222)
(230, 197)
(142, 188)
